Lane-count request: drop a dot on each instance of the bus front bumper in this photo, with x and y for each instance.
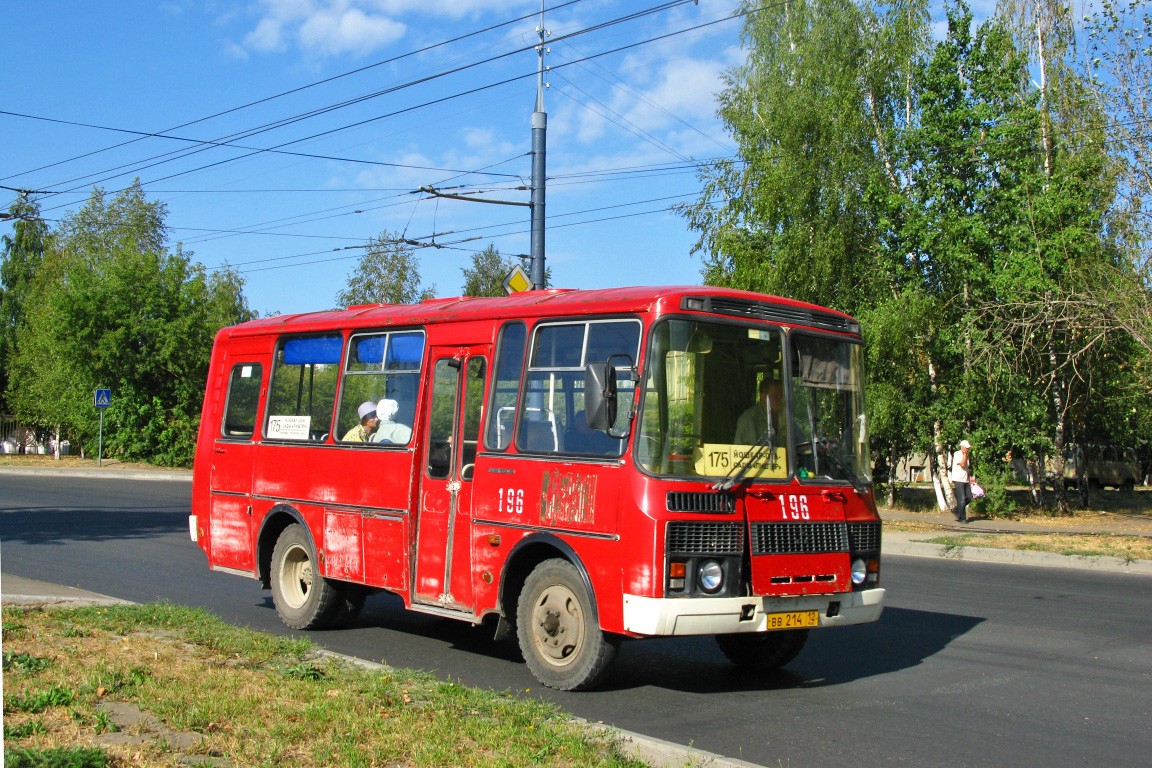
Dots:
(725, 615)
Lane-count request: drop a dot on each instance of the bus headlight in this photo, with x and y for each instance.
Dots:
(859, 571)
(711, 576)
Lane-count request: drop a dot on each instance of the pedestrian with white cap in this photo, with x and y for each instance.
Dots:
(962, 480)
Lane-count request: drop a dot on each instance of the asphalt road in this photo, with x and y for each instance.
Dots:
(972, 664)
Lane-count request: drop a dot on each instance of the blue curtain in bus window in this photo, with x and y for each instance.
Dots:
(558, 346)
(369, 350)
(312, 351)
(405, 351)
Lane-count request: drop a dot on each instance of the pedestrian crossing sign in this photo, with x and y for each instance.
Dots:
(103, 398)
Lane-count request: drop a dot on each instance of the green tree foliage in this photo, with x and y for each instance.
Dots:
(387, 273)
(23, 252)
(793, 215)
(486, 275)
(937, 192)
(112, 306)
(489, 269)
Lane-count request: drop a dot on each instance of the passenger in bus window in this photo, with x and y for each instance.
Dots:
(753, 423)
(390, 431)
(369, 422)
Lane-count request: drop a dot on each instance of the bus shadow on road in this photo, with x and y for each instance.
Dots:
(901, 639)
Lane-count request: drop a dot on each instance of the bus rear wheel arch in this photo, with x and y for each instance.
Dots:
(556, 626)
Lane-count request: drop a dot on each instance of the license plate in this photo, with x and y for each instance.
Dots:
(793, 620)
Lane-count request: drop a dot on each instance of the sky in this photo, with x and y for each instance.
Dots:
(625, 129)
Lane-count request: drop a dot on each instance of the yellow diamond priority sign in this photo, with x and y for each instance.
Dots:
(518, 281)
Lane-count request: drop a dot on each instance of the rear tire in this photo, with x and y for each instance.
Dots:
(763, 651)
(561, 642)
(304, 599)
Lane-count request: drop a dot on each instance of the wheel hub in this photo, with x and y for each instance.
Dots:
(559, 625)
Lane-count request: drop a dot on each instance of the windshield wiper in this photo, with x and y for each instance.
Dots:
(768, 439)
(827, 446)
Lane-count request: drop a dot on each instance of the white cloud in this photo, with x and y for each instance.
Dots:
(268, 36)
(452, 9)
(336, 27)
(323, 27)
(335, 31)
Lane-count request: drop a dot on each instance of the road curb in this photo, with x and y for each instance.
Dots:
(896, 544)
(665, 754)
(183, 476)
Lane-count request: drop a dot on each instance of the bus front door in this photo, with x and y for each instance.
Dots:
(443, 572)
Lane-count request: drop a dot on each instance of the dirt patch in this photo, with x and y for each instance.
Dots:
(1122, 512)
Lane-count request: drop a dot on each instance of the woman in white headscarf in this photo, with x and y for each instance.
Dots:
(390, 431)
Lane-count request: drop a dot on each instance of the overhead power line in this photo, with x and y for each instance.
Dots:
(298, 89)
(348, 102)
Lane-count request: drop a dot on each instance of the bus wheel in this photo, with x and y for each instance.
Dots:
(763, 651)
(561, 643)
(304, 599)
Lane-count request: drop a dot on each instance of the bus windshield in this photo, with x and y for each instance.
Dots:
(721, 398)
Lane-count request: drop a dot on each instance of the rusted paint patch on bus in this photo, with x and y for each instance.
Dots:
(567, 497)
(343, 546)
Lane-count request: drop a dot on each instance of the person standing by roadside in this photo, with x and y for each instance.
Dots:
(962, 480)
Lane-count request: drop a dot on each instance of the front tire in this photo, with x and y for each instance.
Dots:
(304, 599)
(763, 651)
(561, 642)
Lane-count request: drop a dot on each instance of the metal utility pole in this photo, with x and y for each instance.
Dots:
(539, 144)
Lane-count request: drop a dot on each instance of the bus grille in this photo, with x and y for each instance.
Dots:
(687, 501)
(705, 538)
(799, 538)
(864, 537)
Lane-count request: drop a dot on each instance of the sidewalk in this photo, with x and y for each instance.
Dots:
(20, 591)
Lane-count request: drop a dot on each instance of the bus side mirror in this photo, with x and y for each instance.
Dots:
(600, 395)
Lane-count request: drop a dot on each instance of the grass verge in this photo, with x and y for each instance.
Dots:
(161, 685)
(1128, 548)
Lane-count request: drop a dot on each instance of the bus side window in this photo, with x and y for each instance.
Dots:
(243, 400)
(382, 374)
(473, 398)
(505, 387)
(302, 394)
(442, 417)
(552, 416)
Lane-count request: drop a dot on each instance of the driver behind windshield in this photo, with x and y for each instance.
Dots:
(753, 423)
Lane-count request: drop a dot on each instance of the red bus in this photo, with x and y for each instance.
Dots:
(579, 467)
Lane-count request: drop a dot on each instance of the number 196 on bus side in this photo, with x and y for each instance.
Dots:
(511, 500)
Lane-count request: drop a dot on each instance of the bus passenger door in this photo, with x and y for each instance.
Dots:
(443, 573)
(230, 479)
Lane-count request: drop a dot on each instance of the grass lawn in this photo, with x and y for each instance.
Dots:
(164, 685)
